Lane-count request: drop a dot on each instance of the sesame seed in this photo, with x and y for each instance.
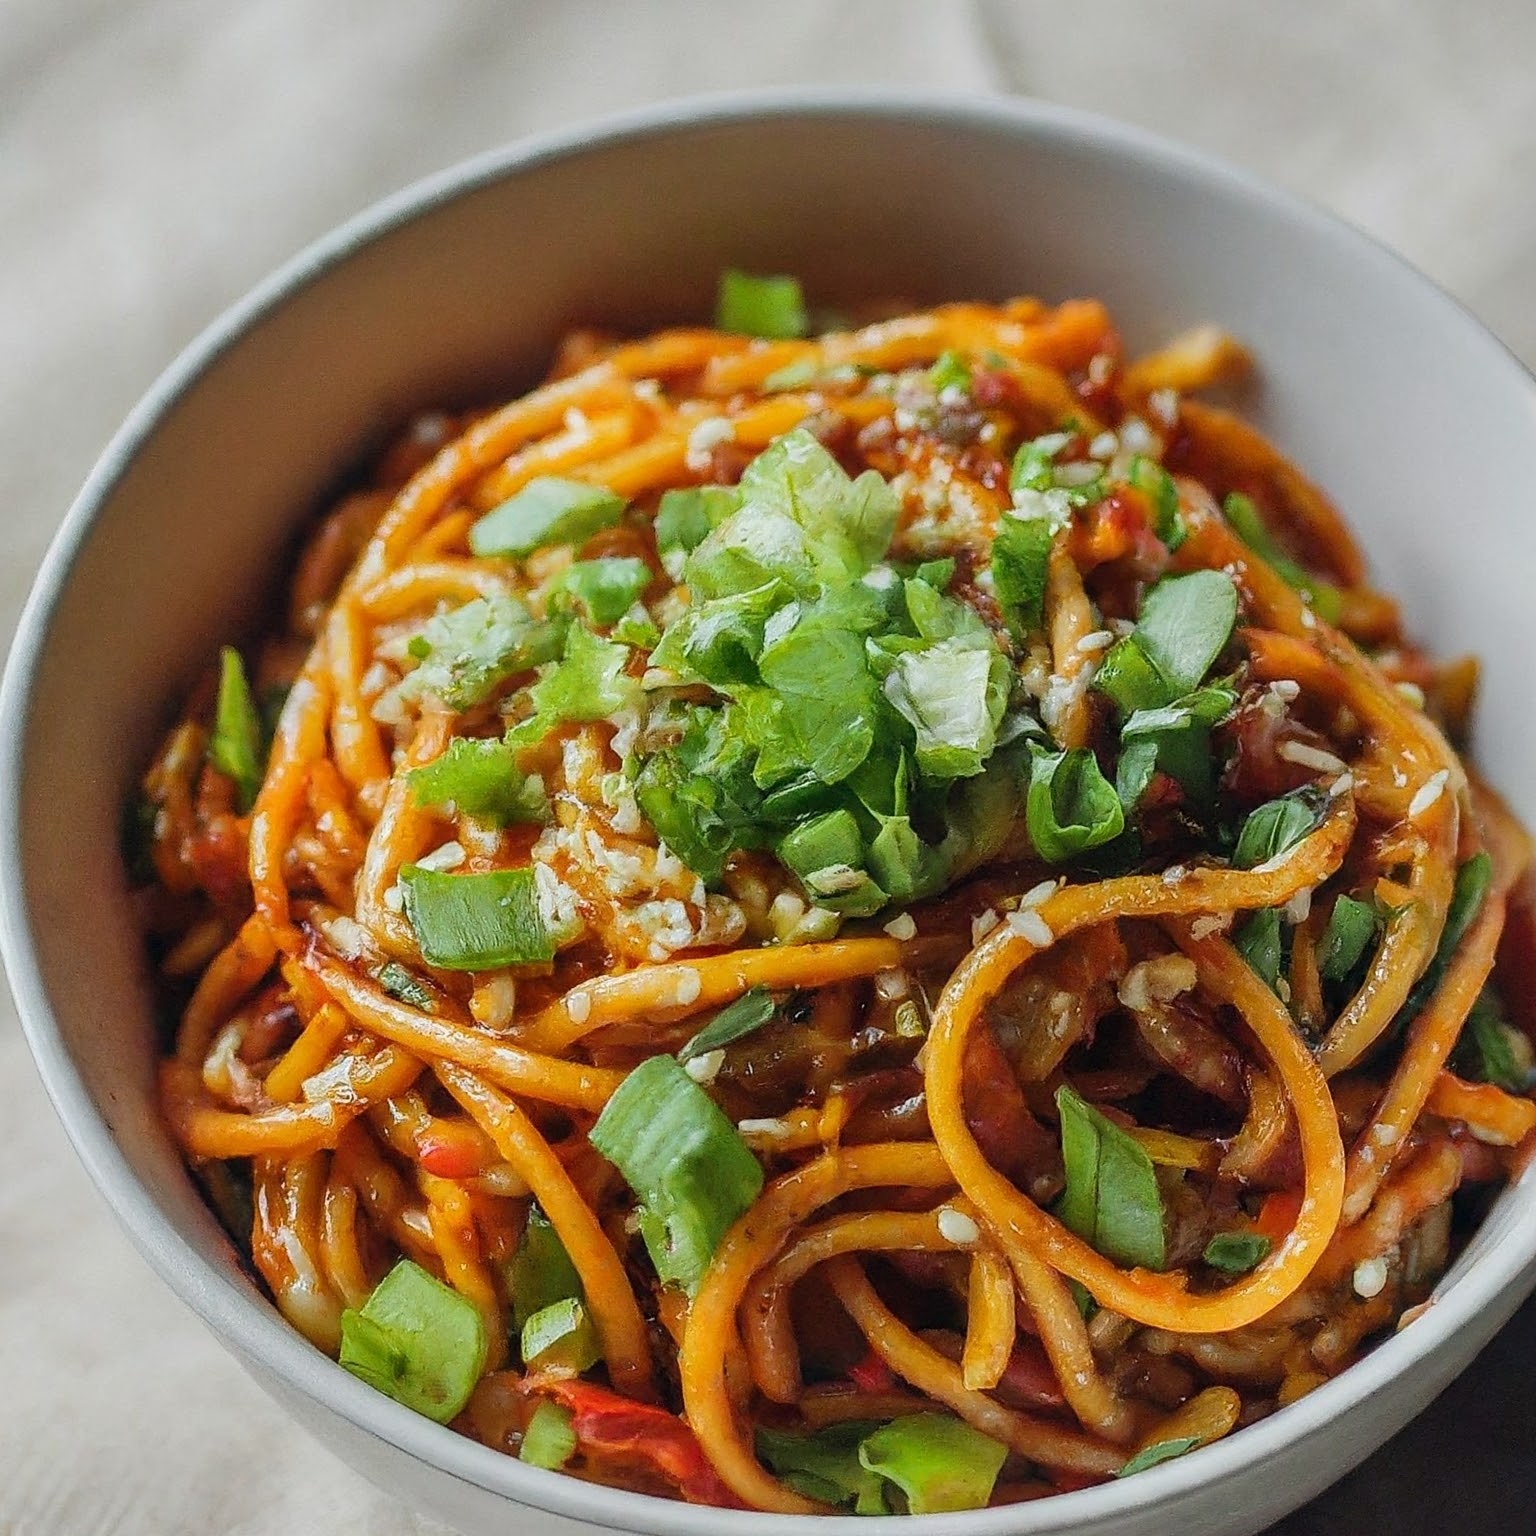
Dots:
(1285, 687)
(1305, 755)
(689, 985)
(578, 1006)
(1412, 693)
(1033, 928)
(447, 857)
(1204, 927)
(776, 1129)
(1164, 404)
(902, 927)
(983, 924)
(1298, 907)
(705, 1067)
(890, 986)
(1104, 446)
(1370, 1277)
(1038, 895)
(958, 1228)
(1428, 792)
(394, 899)
(1341, 785)
(1096, 640)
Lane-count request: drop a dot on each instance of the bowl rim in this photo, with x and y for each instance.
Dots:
(258, 1334)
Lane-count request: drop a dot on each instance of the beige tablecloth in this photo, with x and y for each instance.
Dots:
(158, 157)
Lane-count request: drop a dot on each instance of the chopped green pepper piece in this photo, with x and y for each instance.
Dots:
(548, 510)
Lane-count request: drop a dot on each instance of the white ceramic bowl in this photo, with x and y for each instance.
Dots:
(1414, 417)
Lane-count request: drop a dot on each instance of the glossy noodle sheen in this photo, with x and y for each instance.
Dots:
(958, 962)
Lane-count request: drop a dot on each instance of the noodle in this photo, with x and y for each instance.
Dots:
(812, 892)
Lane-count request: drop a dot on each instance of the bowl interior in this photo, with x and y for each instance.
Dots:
(1419, 425)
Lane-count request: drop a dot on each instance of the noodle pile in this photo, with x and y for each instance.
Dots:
(1070, 967)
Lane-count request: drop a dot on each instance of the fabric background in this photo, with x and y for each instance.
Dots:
(159, 156)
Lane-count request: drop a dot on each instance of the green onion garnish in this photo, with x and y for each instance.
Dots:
(1155, 1455)
(1325, 598)
(690, 1169)
(481, 779)
(467, 652)
(541, 1272)
(771, 307)
(1275, 828)
(1352, 925)
(826, 1465)
(736, 1020)
(950, 371)
(606, 588)
(476, 922)
(1112, 1200)
(560, 1337)
(1235, 1253)
(417, 1341)
(550, 1440)
(939, 1462)
(548, 510)
(235, 746)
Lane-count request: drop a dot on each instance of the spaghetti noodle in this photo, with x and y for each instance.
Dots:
(877, 920)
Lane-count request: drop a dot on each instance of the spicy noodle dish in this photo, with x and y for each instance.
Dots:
(868, 917)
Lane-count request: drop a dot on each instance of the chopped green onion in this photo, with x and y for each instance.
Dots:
(1157, 485)
(1468, 893)
(686, 517)
(1235, 1253)
(939, 1462)
(406, 986)
(936, 573)
(607, 588)
(1275, 828)
(750, 1011)
(1351, 927)
(1071, 807)
(1326, 599)
(548, 510)
(416, 1341)
(235, 746)
(826, 1466)
(792, 376)
(689, 1167)
(467, 652)
(950, 371)
(829, 840)
(1261, 943)
(636, 628)
(481, 779)
(541, 1272)
(589, 682)
(1034, 462)
(1155, 1455)
(550, 1439)
(1112, 1200)
(1491, 1049)
(771, 307)
(476, 922)
(560, 1337)
(1021, 554)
